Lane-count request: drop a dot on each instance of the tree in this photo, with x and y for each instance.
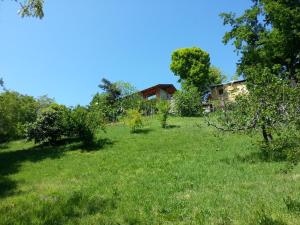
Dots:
(50, 125)
(129, 97)
(266, 35)
(134, 120)
(44, 101)
(187, 102)
(85, 124)
(111, 89)
(192, 66)
(216, 76)
(2, 84)
(16, 111)
(118, 97)
(163, 112)
(33, 8)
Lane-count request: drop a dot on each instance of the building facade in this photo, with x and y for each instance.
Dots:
(159, 91)
(228, 91)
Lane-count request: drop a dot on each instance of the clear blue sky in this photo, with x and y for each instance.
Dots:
(78, 42)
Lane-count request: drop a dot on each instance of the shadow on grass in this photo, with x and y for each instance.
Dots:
(143, 131)
(11, 161)
(100, 144)
(254, 157)
(61, 209)
(292, 205)
(172, 126)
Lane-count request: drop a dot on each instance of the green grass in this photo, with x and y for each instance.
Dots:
(186, 174)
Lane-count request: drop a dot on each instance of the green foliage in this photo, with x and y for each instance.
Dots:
(2, 84)
(101, 103)
(57, 122)
(187, 102)
(85, 124)
(163, 112)
(111, 89)
(50, 125)
(192, 66)
(134, 120)
(216, 76)
(271, 106)
(148, 107)
(32, 8)
(267, 34)
(129, 98)
(117, 98)
(15, 111)
(44, 102)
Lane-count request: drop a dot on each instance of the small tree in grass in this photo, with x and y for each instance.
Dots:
(163, 112)
(86, 123)
(134, 120)
(187, 102)
(50, 125)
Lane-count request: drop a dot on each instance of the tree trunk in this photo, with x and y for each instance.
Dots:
(267, 136)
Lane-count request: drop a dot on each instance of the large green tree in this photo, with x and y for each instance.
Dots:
(192, 66)
(16, 111)
(267, 36)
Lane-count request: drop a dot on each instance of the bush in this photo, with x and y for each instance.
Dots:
(163, 112)
(50, 125)
(285, 147)
(85, 124)
(148, 107)
(187, 102)
(134, 120)
(16, 111)
(102, 103)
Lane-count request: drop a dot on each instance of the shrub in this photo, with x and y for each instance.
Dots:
(15, 111)
(163, 112)
(285, 147)
(102, 103)
(187, 102)
(148, 107)
(49, 126)
(85, 124)
(134, 120)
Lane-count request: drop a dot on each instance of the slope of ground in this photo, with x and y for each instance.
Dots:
(186, 174)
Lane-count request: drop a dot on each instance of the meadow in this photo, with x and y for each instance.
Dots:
(188, 173)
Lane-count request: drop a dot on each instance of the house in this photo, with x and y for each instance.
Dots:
(221, 93)
(228, 91)
(159, 91)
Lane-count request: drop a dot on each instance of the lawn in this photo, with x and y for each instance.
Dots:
(186, 174)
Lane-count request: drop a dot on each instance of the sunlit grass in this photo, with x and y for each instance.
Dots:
(186, 174)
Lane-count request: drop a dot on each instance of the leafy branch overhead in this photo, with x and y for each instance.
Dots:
(32, 8)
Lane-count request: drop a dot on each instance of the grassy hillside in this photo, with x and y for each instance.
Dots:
(186, 174)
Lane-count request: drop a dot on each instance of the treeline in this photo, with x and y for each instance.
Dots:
(45, 121)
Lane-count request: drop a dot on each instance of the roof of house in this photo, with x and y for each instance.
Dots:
(229, 83)
(170, 88)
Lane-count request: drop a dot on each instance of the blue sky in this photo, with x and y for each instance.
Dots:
(66, 54)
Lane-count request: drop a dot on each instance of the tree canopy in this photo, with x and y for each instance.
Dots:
(32, 8)
(192, 66)
(267, 34)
